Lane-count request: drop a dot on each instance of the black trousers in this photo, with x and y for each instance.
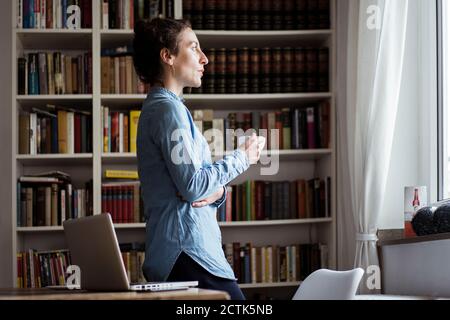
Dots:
(186, 269)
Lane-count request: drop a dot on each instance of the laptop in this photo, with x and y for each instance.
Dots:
(93, 246)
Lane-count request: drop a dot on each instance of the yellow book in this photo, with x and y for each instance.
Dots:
(62, 132)
(19, 270)
(121, 174)
(134, 120)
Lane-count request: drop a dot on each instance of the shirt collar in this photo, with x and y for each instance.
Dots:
(165, 91)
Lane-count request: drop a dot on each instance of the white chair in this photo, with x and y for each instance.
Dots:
(327, 284)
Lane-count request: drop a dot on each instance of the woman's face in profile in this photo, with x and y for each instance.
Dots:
(190, 61)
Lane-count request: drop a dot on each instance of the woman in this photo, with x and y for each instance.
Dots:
(181, 188)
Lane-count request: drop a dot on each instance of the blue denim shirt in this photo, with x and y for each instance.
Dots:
(171, 183)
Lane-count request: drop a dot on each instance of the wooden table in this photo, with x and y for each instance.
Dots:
(52, 294)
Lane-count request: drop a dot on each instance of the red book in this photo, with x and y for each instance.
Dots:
(310, 127)
(130, 204)
(131, 14)
(77, 133)
(114, 132)
(264, 128)
(279, 127)
(86, 14)
(301, 197)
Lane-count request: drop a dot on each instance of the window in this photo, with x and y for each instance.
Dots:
(444, 99)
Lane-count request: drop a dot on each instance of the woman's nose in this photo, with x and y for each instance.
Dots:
(203, 59)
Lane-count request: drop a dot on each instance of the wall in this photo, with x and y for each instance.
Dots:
(5, 143)
(416, 269)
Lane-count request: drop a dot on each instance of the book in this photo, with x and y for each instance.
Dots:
(121, 174)
(133, 124)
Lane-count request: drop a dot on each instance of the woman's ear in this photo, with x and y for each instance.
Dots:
(166, 56)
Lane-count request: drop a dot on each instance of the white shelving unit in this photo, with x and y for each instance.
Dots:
(294, 164)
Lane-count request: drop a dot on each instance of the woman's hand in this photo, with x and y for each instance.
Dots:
(251, 149)
(209, 200)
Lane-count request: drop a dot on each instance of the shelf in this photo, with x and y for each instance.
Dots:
(273, 222)
(40, 97)
(71, 100)
(269, 285)
(232, 38)
(259, 39)
(63, 39)
(55, 159)
(129, 225)
(119, 100)
(124, 226)
(116, 37)
(291, 155)
(119, 158)
(227, 101)
(285, 155)
(39, 229)
(60, 228)
(252, 101)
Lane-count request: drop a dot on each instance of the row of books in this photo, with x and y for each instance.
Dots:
(133, 255)
(251, 264)
(55, 73)
(296, 128)
(55, 129)
(49, 199)
(269, 264)
(266, 70)
(123, 201)
(63, 130)
(53, 14)
(279, 200)
(257, 14)
(119, 130)
(122, 14)
(38, 269)
(118, 74)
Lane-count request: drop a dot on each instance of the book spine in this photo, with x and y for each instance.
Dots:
(43, 14)
(105, 15)
(19, 14)
(310, 128)
(121, 143)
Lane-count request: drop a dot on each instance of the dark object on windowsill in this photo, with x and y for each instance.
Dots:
(432, 219)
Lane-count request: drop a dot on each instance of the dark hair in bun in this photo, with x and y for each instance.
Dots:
(150, 37)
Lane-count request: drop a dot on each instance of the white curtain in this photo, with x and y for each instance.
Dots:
(374, 59)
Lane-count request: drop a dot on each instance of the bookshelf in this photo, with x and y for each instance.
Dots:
(294, 164)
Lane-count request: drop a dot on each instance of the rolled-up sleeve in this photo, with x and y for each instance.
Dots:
(172, 134)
